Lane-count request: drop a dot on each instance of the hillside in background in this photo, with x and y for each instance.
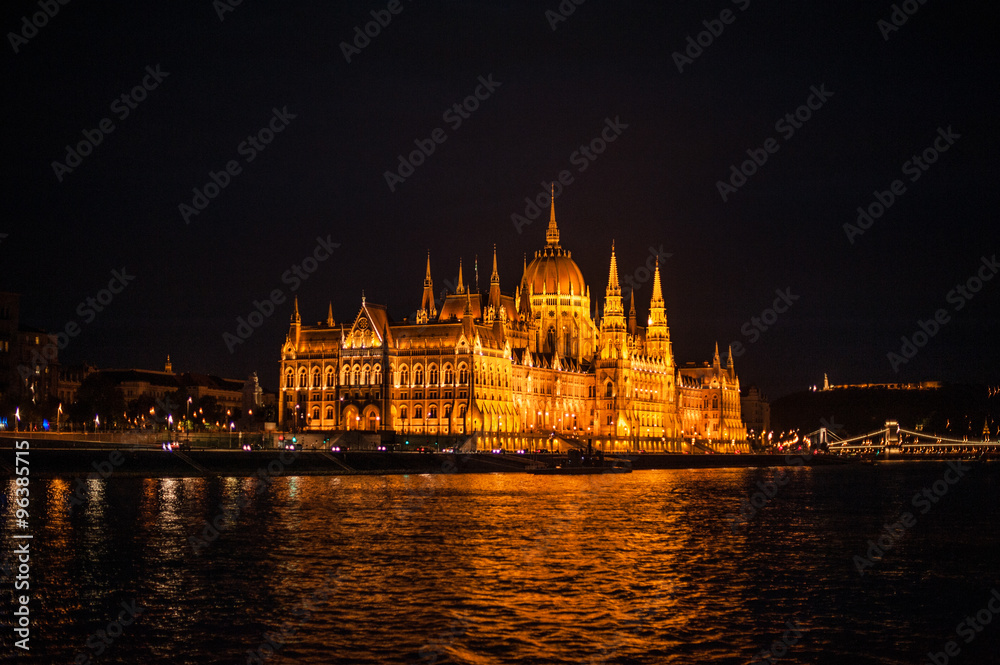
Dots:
(953, 409)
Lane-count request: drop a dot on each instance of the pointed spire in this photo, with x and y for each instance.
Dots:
(716, 360)
(329, 315)
(427, 301)
(657, 289)
(295, 314)
(552, 233)
(729, 362)
(632, 325)
(461, 285)
(613, 287)
(613, 318)
(494, 299)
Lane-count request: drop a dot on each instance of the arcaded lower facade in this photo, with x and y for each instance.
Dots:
(508, 371)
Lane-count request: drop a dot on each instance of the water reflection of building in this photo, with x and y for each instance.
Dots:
(510, 367)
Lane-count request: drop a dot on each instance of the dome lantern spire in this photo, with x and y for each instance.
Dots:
(552, 232)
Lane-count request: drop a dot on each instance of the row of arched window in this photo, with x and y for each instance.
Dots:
(432, 411)
(357, 374)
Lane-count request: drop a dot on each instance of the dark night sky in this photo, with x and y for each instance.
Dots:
(654, 186)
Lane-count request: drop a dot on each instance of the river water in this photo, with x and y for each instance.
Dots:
(647, 567)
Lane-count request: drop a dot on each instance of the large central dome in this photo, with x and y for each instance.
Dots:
(553, 270)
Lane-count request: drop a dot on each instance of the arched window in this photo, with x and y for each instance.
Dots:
(315, 377)
(432, 411)
(461, 410)
(329, 377)
(329, 413)
(715, 401)
(449, 375)
(345, 375)
(289, 378)
(315, 413)
(609, 389)
(364, 375)
(447, 410)
(463, 374)
(418, 412)
(432, 373)
(404, 376)
(402, 412)
(377, 375)
(355, 374)
(302, 377)
(418, 376)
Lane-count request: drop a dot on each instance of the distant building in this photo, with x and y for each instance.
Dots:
(511, 369)
(756, 410)
(923, 385)
(70, 378)
(29, 357)
(135, 383)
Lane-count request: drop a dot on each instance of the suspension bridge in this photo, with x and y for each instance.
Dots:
(893, 440)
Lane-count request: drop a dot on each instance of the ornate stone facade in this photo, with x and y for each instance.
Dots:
(508, 371)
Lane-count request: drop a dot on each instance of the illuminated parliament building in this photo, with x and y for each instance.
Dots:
(495, 370)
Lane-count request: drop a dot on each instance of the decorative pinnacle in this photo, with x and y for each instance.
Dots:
(552, 233)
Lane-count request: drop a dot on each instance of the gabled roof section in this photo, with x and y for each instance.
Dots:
(373, 318)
